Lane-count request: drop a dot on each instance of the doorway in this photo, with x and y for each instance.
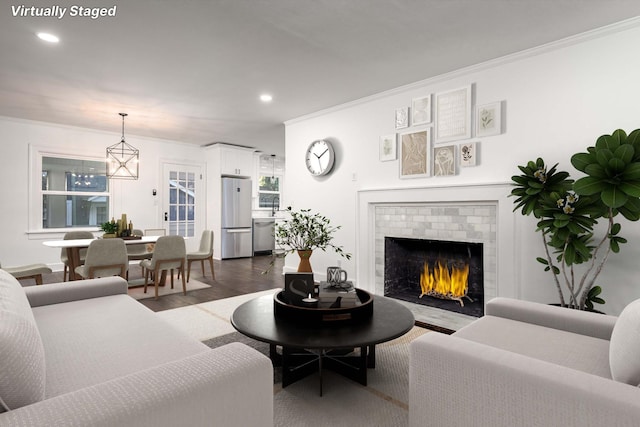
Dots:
(183, 200)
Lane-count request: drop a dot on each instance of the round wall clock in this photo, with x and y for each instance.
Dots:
(320, 157)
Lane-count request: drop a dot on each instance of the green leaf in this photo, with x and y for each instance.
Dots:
(603, 156)
(596, 170)
(613, 197)
(595, 291)
(556, 270)
(625, 153)
(634, 139)
(615, 248)
(617, 165)
(615, 228)
(631, 172)
(560, 223)
(629, 214)
(581, 160)
(519, 179)
(588, 185)
(631, 188)
(542, 261)
(619, 136)
(609, 142)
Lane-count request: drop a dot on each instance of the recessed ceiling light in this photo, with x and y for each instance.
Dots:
(48, 37)
(266, 97)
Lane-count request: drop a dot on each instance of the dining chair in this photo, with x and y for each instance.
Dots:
(169, 254)
(30, 271)
(138, 252)
(205, 252)
(105, 257)
(73, 235)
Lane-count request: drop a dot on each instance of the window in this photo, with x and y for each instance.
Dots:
(74, 192)
(269, 192)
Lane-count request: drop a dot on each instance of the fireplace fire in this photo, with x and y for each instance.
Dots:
(446, 275)
(442, 282)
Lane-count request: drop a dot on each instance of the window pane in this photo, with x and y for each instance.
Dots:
(61, 211)
(73, 175)
(267, 200)
(85, 182)
(269, 183)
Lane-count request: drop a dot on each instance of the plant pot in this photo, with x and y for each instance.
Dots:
(109, 235)
(305, 265)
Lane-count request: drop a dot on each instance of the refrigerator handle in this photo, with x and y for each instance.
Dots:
(239, 230)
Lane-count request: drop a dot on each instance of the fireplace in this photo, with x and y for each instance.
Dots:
(461, 213)
(448, 275)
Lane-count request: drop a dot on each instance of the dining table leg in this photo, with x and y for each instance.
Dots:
(73, 258)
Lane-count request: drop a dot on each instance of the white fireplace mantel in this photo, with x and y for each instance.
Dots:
(494, 194)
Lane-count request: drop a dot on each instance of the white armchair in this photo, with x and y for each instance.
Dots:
(528, 364)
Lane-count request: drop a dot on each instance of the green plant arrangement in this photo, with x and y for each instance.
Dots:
(305, 231)
(109, 227)
(568, 210)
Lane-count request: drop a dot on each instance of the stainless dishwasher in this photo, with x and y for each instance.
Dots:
(263, 239)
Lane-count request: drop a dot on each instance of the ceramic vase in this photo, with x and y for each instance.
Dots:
(305, 265)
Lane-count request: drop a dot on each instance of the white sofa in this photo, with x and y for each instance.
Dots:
(85, 353)
(528, 364)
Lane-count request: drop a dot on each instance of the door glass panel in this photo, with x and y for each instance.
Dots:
(182, 201)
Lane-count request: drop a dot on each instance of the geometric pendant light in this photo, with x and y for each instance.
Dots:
(122, 158)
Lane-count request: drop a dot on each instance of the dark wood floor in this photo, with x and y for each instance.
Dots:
(233, 277)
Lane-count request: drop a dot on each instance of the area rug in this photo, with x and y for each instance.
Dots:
(208, 319)
(383, 402)
(136, 288)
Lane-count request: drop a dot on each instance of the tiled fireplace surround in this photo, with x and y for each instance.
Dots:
(477, 214)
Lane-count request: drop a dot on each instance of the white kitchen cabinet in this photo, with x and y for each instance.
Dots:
(236, 161)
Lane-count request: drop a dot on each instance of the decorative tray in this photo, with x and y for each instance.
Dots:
(312, 313)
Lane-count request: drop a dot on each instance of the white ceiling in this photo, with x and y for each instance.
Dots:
(192, 70)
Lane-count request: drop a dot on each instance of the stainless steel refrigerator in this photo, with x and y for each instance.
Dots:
(236, 239)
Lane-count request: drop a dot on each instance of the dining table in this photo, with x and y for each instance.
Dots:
(73, 250)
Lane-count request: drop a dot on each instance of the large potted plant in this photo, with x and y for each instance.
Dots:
(303, 232)
(568, 210)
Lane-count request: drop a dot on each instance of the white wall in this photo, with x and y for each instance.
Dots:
(558, 98)
(131, 197)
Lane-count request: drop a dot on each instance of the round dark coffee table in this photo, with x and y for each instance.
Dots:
(308, 348)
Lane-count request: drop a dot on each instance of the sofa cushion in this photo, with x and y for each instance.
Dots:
(22, 361)
(94, 340)
(624, 351)
(575, 351)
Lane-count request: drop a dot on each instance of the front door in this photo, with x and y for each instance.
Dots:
(183, 206)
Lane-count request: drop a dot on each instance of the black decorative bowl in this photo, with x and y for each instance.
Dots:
(312, 314)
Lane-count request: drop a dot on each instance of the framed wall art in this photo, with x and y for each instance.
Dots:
(444, 160)
(414, 154)
(469, 154)
(421, 110)
(453, 115)
(402, 118)
(388, 149)
(489, 119)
